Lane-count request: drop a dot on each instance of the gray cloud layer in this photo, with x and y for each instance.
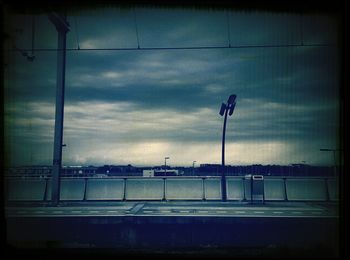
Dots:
(287, 97)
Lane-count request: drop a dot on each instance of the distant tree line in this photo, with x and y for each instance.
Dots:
(266, 170)
(202, 170)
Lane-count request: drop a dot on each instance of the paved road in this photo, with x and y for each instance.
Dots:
(175, 225)
(201, 209)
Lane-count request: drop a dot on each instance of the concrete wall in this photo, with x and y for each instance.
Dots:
(70, 189)
(25, 189)
(235, 188)
(184, 189)
(274, 189)
(212, 189)
(105, 189)
(306, 189)
(148, 189)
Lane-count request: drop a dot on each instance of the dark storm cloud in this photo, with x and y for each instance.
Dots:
(190, 81)
(118, 102)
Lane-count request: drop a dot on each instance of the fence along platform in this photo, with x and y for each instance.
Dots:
(105, 189)
(184, 189)
(274, 189)
(147, 189)
(306, 189)
(173, 188)
(27, 189)
(235, 188)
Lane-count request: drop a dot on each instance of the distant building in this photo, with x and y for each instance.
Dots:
(210, 165)
(161, 172)
(78, 171)
(148, 173)
(100, 175)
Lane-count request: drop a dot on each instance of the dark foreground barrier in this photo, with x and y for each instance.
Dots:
(283, 237)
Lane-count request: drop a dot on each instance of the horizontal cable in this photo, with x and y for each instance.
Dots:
(183, 48)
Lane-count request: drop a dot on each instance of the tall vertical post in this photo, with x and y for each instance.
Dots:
(223, 175)
(225, 108)
(335, 164)
(193, 167)
(165, 158)
(62, 28)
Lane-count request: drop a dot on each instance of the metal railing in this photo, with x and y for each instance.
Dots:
(171, 188)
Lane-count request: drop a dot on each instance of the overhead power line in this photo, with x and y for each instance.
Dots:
(189, 47)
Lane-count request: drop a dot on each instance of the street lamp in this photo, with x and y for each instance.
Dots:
(193, 168)
(335, 162)
(165, 163)
(225, 108)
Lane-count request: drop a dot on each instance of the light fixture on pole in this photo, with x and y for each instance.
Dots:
(193, 167)
(225, 109)
(165, 163)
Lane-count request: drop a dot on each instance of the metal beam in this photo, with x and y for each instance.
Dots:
(62, 28)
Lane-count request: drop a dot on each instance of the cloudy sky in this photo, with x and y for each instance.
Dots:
(138, 106)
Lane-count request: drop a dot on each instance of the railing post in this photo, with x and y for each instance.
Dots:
(45, 191)
(327, 190)
(164, 189)
(285, 188)
(124, 193)
(203, 188)
(85, 187)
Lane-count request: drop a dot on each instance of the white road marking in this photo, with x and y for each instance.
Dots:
(221, 211)
(184, 211)
(259, 212)
(240, 212)
(148, 211)
(277, 212)
(165, 211)
(202, 211)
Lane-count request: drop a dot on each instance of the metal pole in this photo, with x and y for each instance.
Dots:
(62, 29)
(225, 108)
(165, 166)
(193, 168)
(335, 164)
(223, 177)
